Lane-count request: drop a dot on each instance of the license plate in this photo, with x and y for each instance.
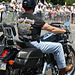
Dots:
(2, 66)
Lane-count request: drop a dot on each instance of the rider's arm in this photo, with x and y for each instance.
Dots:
(52, 29)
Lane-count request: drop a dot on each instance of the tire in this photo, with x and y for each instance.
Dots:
(71, 60)
(50, 71)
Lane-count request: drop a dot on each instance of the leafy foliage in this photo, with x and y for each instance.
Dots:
(70, 2)
(61, 2)
(5, 0)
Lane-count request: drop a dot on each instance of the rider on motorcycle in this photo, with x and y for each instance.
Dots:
(29, 29)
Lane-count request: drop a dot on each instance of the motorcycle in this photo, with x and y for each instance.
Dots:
(29, 60)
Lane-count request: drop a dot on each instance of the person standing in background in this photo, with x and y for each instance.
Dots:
(73, 13)
(2, 6)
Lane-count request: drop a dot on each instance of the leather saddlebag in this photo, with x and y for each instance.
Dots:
(28, 58)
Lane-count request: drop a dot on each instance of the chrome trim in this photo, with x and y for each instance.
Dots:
(44, 68)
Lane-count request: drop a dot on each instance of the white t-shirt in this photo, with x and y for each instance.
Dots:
(19, 6)
(37, 10)
(61, 10)
(73, 11)
(2, 7)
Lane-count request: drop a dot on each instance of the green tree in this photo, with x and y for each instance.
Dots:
(61, 2)
(55, 2)
(70, 2)
(4, 0)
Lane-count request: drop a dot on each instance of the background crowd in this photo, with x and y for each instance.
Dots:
(45, 11)
(14, 6)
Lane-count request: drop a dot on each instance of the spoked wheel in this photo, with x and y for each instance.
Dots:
(71, 60)
(53, 71)
(48, 72)
(52, 68)
(70, 57)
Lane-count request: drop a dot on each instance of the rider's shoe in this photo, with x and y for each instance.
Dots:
(66, 69)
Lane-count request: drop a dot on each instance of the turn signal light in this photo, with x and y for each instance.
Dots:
(72, 57)
(11, 62)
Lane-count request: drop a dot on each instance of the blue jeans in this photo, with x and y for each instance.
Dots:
(52, 47)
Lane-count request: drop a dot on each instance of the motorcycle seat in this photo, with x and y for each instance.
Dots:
(24, 44)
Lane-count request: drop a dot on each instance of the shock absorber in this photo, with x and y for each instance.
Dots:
(44, 68)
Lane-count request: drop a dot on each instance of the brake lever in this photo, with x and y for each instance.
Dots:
(71, 41)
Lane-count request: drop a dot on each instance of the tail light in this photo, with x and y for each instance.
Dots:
(4, 53)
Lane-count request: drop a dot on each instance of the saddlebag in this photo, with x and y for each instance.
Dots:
(28, 58)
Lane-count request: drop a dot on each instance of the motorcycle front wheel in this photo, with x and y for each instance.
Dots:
(70, 59)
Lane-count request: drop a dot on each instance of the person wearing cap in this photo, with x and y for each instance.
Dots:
(3, 3)
(65, 9)
(29, 29)
(2, 6)
(6, 7)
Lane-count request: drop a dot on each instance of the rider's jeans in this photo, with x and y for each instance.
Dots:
(52, 47)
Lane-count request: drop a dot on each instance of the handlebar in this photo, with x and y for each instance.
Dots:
(67, 32)
(57, 24)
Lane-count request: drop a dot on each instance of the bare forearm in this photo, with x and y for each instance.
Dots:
(57, 30)
(53, 29)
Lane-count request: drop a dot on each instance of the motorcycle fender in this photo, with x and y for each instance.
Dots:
(71, 48)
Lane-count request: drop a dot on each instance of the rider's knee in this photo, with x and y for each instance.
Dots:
(60, 45)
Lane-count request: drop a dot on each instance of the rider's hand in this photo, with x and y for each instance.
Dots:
(64, 31)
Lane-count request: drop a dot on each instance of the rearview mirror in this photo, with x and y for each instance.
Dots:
(67, 23)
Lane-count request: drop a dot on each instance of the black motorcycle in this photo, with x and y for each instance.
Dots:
(30, 60)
